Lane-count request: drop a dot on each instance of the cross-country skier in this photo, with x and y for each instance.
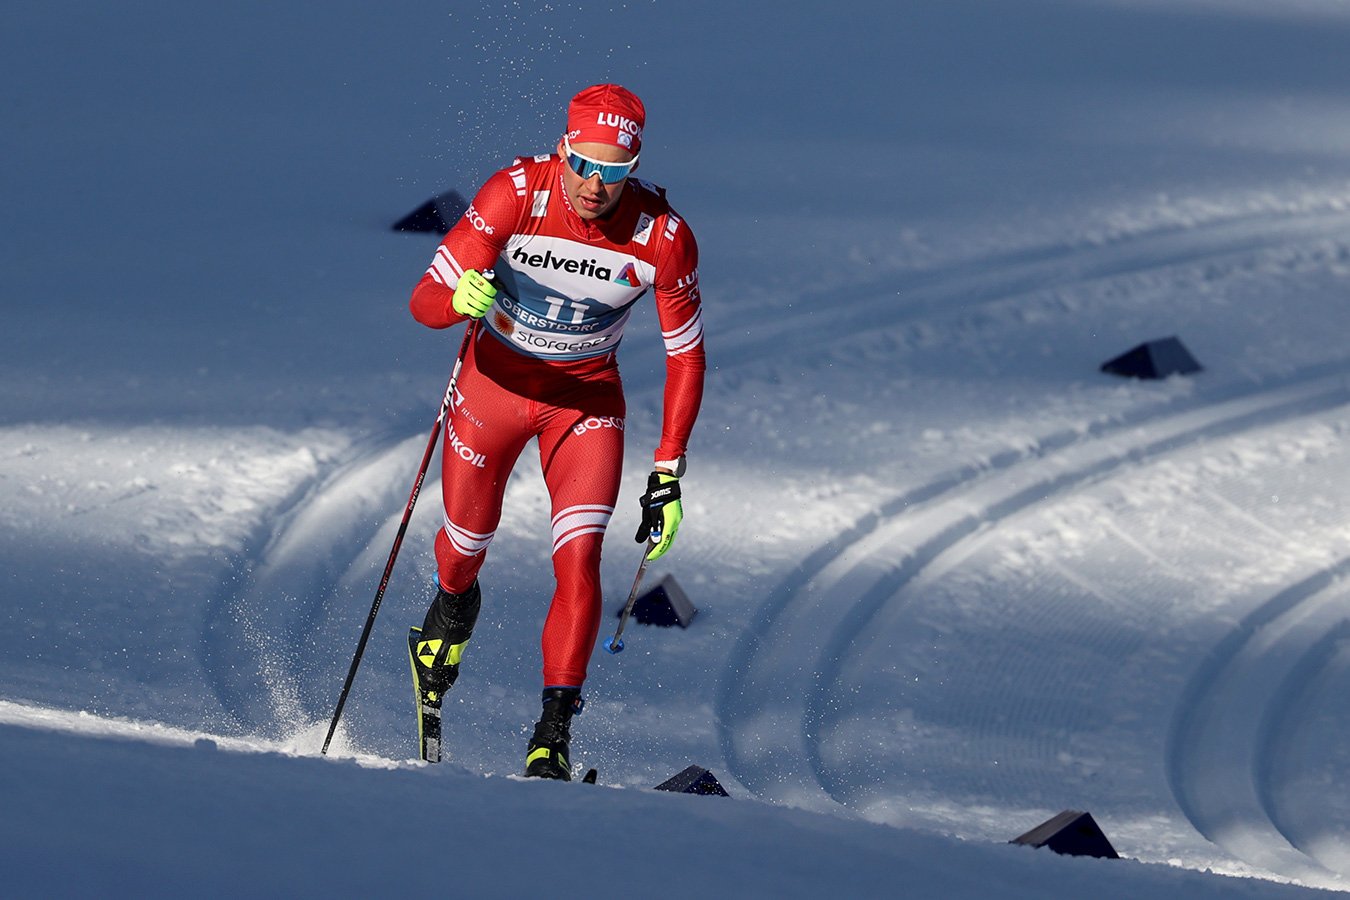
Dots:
(571, 242)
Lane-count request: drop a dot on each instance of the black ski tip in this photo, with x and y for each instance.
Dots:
(590, 776)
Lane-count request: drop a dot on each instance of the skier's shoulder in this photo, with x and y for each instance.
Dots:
(512, 186)
(531, 168)
(649, 194)
(652, 200)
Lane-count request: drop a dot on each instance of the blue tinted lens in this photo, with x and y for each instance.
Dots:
(610, 173)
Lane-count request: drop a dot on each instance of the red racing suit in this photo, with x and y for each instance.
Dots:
(543, 365)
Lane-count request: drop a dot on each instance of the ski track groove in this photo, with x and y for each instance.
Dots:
(742, 702)
(1219, 757)
(958, 287)
(737, 702)
(963, 285)
(863, 559)
(1280, 722)
(746, 693)
(1325, 659)
(860, 613)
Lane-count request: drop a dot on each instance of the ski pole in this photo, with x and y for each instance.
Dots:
(402, 530)
(615, 644)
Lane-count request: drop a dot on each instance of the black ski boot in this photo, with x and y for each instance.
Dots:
(546, 756)
(445, 633)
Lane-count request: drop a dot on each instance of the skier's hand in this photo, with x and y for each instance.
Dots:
(662, 513)
(474, 295)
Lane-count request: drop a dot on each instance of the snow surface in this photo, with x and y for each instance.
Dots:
(951, 579)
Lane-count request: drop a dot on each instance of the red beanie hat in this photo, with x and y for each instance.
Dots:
(606, 114)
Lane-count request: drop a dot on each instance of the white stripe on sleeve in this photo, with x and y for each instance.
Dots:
(444, 268)
(686, 337)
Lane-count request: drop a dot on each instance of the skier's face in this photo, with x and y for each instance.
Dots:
(591, 197)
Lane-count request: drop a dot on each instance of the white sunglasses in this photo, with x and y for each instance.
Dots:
(584, 166)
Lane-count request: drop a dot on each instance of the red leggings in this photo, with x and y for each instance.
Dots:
(502, 399)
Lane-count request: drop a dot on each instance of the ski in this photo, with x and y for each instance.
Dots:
(590, 776)
(428, 706)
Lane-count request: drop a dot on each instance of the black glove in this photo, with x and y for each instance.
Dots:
(662, 512)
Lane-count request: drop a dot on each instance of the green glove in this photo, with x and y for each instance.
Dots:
(474, 295)
(662, 513)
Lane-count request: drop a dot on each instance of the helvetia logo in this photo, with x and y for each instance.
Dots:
(629, 277)
(546, 260)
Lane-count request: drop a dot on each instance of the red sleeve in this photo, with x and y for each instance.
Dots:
(474, 242)
(679, 309)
